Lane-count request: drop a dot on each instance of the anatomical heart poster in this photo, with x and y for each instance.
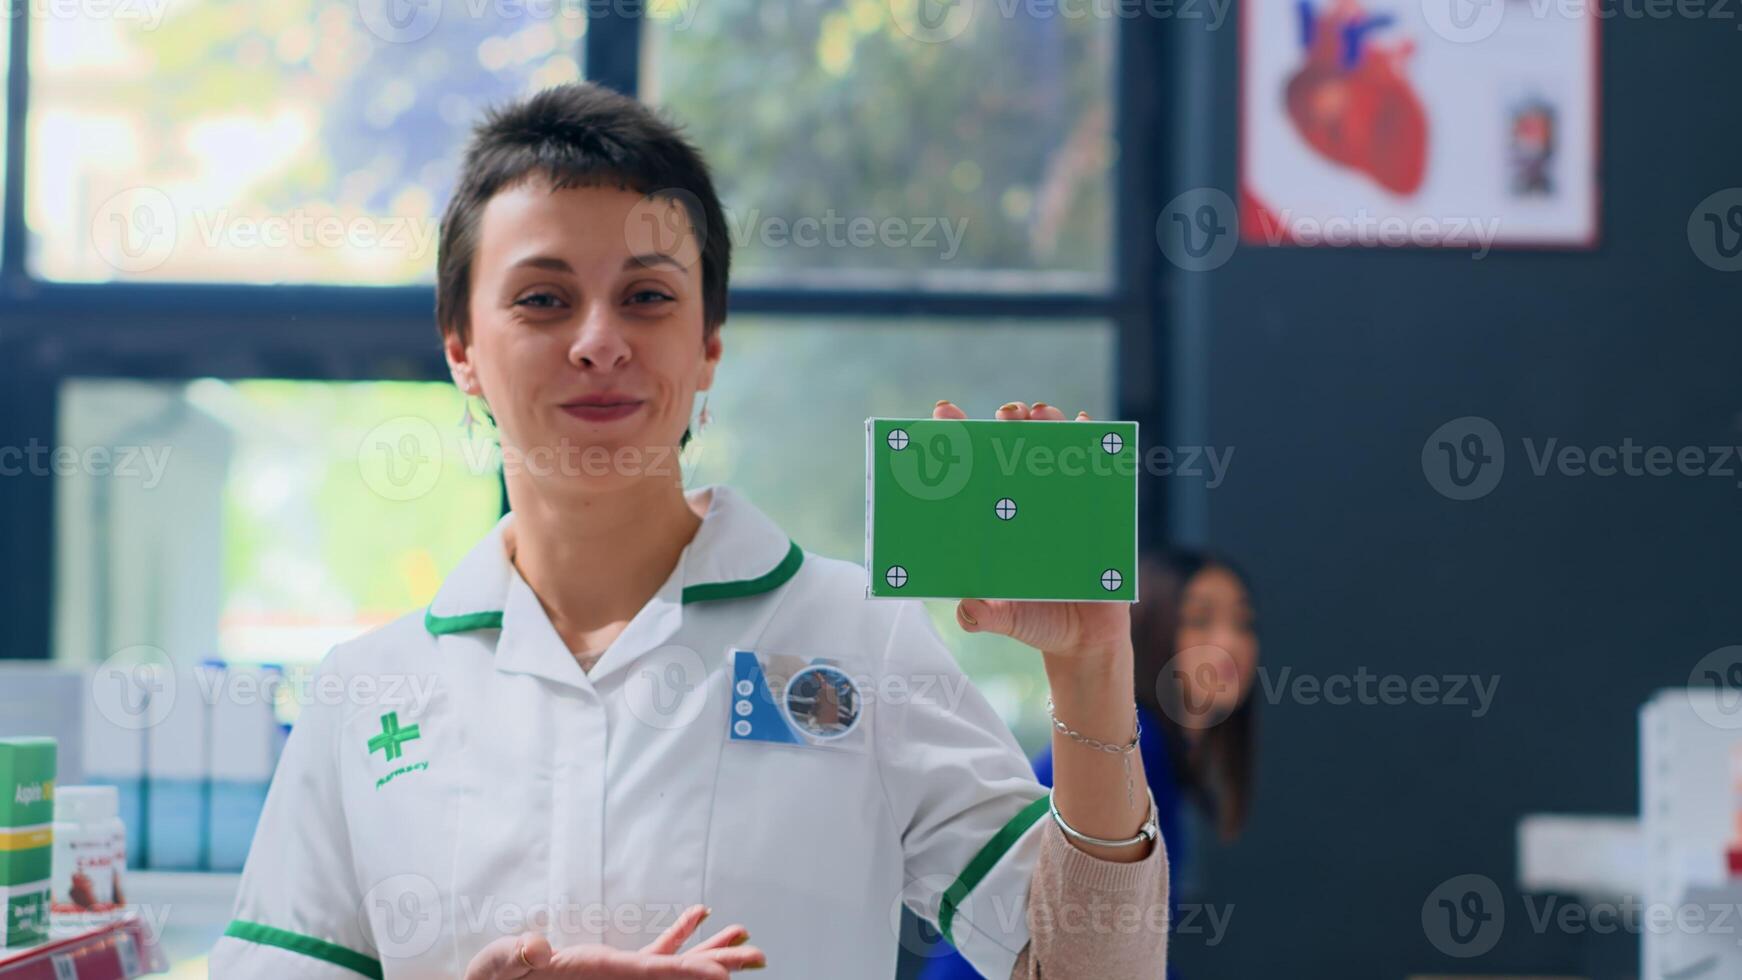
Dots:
(1458, 123)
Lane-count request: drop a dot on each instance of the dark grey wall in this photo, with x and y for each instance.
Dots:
(1326, 370)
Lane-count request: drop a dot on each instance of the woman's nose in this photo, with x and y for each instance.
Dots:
(599, 341)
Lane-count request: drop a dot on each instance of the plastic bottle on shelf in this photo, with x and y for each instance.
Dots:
(89, 838)
(1733, 851)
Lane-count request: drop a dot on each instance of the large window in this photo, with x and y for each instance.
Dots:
(291, 141)
(984, 151)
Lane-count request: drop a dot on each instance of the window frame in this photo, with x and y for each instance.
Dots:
(51, 331)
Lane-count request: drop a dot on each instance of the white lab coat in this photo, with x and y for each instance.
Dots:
(597, 805)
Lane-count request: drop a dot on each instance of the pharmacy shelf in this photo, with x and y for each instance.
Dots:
(1597, 858)
(119, 951)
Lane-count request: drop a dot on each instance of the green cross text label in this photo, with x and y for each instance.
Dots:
(392, 737)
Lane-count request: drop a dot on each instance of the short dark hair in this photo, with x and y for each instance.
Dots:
(577, 135)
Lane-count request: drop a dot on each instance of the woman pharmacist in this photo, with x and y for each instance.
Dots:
(589, 743)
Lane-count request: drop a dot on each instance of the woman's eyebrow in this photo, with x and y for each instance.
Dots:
(551, 262)
(641, 261)
(647, 259)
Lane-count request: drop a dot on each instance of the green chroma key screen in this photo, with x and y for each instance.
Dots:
(989, 509)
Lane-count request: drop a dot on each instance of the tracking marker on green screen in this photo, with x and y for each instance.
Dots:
(989, 509)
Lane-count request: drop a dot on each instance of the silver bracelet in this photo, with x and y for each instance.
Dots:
(1150, 831)
(1123, 751)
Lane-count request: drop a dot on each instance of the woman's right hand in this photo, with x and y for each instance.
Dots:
(715, 958)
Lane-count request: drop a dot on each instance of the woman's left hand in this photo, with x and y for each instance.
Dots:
(1061, 630)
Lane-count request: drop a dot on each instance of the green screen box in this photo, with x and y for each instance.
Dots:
(27, 770)
(991, 509)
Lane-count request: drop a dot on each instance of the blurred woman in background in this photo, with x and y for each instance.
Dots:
(1194, 630)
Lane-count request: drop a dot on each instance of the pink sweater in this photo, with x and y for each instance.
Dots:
(1094, 919)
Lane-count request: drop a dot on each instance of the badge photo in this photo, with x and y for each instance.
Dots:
(822, 701)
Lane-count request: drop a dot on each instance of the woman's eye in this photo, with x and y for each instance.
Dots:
(541, 301)
(645, 296)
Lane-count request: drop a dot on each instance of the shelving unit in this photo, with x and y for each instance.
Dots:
(120, 951)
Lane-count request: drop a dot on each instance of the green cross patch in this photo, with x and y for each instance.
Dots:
(392, 738)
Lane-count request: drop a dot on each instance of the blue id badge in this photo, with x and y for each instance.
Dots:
(804, 703)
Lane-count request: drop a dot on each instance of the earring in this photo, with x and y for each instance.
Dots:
(467, 419)
(703, 420)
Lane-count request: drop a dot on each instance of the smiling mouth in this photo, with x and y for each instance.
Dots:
(601, 411)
